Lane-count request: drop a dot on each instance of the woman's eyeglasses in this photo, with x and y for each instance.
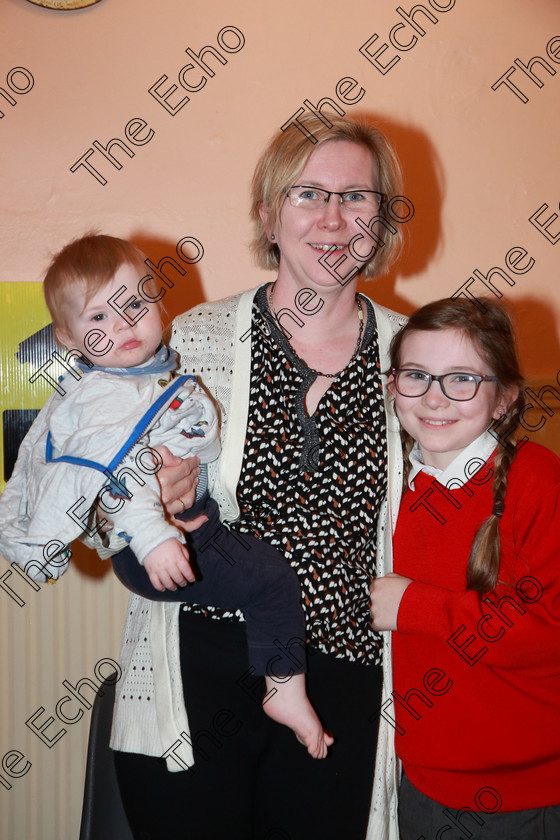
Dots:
(312, 198)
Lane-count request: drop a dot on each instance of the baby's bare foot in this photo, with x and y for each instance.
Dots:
(290, 706)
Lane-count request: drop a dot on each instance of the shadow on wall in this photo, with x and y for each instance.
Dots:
(423, 186)
(539, 353)
(175, 266)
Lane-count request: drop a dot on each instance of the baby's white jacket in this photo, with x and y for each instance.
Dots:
(100, 429)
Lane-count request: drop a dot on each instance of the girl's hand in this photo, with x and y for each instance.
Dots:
(177, 478)
(385, 598)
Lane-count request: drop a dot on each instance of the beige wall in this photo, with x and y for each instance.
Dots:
(478, 164)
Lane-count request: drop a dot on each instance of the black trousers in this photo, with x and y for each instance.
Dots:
(251, 779)
(237, 572)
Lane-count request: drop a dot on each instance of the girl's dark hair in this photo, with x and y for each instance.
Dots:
(491, 332)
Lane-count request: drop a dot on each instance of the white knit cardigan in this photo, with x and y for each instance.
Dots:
(150, 718)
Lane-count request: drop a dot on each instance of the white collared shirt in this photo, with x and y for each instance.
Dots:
(461, 468)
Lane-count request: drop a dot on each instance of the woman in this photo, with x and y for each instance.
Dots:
(307, 461)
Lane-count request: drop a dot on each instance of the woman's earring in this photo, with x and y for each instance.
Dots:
(272, 237)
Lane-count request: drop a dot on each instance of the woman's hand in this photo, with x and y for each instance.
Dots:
(177, 478)
(385, 598)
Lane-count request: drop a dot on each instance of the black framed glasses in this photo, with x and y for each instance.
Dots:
(458, 385)
(312, 198)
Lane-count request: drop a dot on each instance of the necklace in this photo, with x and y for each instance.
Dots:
(318, 372)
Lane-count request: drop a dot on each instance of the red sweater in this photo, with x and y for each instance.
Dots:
(486, 714)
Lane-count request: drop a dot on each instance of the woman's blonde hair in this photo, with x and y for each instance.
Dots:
(491, 332)
(285, 158)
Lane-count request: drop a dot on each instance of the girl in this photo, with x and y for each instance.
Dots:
(475, 599)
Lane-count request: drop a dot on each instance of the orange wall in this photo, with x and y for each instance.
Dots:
(478, 162)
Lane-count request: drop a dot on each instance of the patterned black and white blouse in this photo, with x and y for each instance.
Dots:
(313, 486)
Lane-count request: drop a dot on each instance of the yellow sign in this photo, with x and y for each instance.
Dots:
(26, 344)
